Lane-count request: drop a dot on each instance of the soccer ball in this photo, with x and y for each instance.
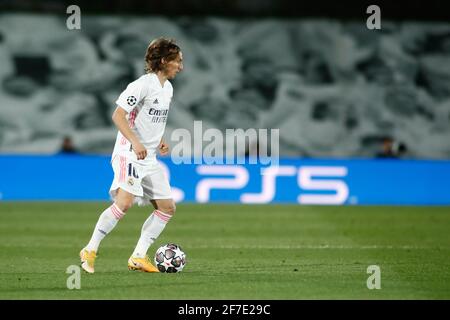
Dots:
(170, 258)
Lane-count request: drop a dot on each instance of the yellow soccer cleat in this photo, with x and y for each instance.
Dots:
(141, 264)
(87, 260)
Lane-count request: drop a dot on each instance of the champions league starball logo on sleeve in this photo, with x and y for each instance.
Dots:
(131, 100)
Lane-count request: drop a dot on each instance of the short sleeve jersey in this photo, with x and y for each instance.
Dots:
(147, 103)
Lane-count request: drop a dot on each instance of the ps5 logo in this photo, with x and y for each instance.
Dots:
(306, 182)
(319, 184)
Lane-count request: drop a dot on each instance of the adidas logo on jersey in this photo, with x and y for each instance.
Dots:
(156, 101)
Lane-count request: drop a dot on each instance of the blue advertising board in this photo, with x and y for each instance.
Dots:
(302, 181)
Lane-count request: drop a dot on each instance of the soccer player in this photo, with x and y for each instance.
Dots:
(140, 117)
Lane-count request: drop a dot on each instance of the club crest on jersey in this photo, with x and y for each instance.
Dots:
(130, 181)
(131, 100)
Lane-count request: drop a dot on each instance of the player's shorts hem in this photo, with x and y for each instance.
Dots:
(139, 199)
(145, 200)
(162, 198)
(113, 191)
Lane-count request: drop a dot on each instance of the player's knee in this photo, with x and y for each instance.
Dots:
(124, 200)
(169, 208)
(124, 204)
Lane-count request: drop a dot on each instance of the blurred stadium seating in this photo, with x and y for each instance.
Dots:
(334, 88)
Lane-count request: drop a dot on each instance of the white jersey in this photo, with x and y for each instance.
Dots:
(147, 104)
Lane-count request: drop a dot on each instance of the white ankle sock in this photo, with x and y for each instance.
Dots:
(107, 221)
(151, 230)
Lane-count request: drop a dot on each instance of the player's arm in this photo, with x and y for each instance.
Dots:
(121, 122)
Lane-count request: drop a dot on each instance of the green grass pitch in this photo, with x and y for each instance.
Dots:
(234, 252)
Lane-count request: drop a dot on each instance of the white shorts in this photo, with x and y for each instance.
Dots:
(146, 183)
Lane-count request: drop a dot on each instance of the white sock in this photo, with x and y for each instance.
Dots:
(151, 230)
(107, 221)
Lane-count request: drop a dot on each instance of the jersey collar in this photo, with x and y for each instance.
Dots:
(156, 81)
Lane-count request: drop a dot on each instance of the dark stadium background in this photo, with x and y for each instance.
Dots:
(367, 164)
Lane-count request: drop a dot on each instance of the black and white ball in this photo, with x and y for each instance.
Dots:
(131, 100)
(170, 258)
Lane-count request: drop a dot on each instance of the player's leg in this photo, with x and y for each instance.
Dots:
(151, 230)
(105, 224)
(110, 217)
(154, 225)
(126, 185)
(157, 190)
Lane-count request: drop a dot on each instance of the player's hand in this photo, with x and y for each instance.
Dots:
(140, 151)
(163, 148)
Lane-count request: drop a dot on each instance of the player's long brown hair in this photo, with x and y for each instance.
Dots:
(157, 50)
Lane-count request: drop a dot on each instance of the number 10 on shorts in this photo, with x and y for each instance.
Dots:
(132, 171)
